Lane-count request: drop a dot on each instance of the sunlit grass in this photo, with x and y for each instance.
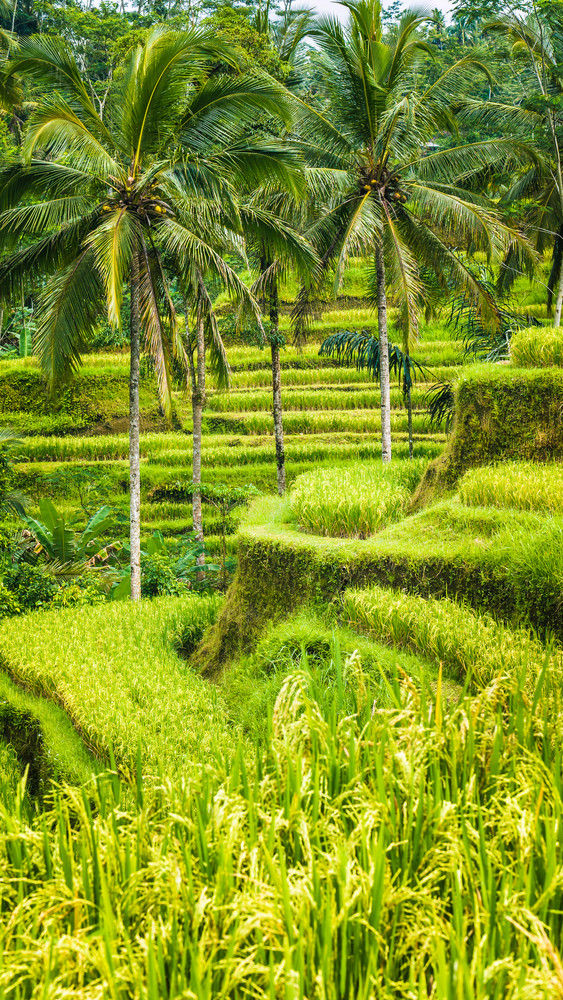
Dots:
(354, 502)
(465, 642)
(537, 348)
(413, 840)
(525, 485)
(114, 669)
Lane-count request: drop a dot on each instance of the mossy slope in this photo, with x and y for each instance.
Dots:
(501, 413)
(447, 550)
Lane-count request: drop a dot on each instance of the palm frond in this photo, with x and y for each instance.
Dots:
(218, 355)
(112, 242)
(56, 127)
(69, 309)
(158, 330)
(48, 60)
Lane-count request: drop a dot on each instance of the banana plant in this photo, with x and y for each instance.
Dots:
(67, 552)
(185, 567)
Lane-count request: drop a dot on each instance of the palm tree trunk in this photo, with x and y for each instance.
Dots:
(559, 299)
(555, 268)
(276, 385)
(383, 356)
(409, 409)
(134, 457)
(198, 402)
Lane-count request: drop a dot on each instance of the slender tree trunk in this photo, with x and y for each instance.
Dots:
(559, 299)
(134, 457)
(409, 409)
(383, 356)
(276, 385)
(198, 402)
(555, 268)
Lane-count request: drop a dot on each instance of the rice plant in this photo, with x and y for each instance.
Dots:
(523, 485)
(114, 670)
(322, 398)
(312, 422)
(354, 502)
(536, 348)
(411, 849)
(465, 642)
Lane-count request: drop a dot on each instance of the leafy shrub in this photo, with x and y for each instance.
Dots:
(9, 605)
(29, 588)
(525, 485)
(74, 595)
(158, 576)
(539, 347)
(356, 502)
(29, 585)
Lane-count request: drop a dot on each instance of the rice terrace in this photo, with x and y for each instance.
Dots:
(281, 500)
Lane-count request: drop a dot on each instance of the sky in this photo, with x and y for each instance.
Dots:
(330, 7)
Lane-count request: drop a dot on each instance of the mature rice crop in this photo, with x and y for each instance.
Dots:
(320, 376)
(102, 447)
(427, 350)
(262, 378)
(408, 850)
(314, 422)
(313, 448)
(536, 348)
(452, 634)
(115, 671)
(314, 398)
(354, 502)
(525, 485)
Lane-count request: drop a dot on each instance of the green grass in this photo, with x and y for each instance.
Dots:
(174, 449)
(320, 377)
(355, 502)
(346, 397)
(115, 671)
(315, 422)
(387, 837)
(56, 750)
(523, 485)
(10, 774)
(306, 641)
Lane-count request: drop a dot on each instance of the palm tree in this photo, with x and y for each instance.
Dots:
(395, 198)
(362, 349)
(275, 247)
(99, 201)
(538, 39)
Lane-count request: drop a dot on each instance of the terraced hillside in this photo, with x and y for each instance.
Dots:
(331, 415)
